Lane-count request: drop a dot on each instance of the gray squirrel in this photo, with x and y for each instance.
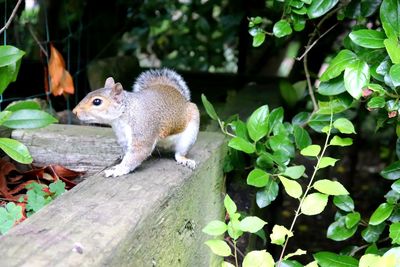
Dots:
(157, 113)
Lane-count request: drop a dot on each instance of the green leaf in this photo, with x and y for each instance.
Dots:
(311, 151)
(338, 231)
(301, 137)
(257, 124)
(372, 232)
(258, 258)
(241, 144)
(344, 202)
(209, 108)
(227, 264)
(281, 28)
(28, 104)
(333, 188)
(9, 216)
(394, 233)
(251, 224)
(377, 88)
(215, 228)
(4, 115)
(391, 172)
(10, 55)
(376, 102)
(395, 74)
(279, 233)
(336, 104)
(326, 161)
(391, 257)
(258, 178)
(233, 227)
(338, 64)
(29, 118)
(57, 188)
(298, 252)
(352, 219)
(369, 260)
(396, 186)
(320, 7)
(294, 172)
(356, 77)
(219, 247)
(16, 150)
(292, 188)
(393, 49)
(300, 118)
(230, 206)
(389, 14)
(368, 38)
(381, 214)
(314, 204)
(338, 141)
(265, 196)
(344, 126)
(334, 86)
(8, 74)
(265, 161)
(329, 259)
(275, 118)
(258, 38)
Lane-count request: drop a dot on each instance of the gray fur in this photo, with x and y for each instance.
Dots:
(164, 76)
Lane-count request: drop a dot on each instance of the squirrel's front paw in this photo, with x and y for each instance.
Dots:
(191, 164)
(117, 170)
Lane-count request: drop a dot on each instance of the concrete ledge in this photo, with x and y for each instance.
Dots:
(152, 217)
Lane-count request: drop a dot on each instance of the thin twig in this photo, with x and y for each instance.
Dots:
(238, 250)
(10, 19)
(37, 41)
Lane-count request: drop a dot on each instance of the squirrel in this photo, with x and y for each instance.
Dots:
(157, 113)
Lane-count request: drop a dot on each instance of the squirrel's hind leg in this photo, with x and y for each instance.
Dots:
(187, 138)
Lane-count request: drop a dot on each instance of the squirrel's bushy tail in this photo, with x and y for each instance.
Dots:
(164, 76)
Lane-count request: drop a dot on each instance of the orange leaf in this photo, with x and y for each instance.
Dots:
(60, 79)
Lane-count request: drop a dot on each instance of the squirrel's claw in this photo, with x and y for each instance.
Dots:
(191, 164)
(117, 170)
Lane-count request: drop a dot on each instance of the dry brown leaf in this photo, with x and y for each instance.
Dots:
(60, 79)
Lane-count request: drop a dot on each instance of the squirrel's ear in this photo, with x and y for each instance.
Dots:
(117, 88)
(109, 83)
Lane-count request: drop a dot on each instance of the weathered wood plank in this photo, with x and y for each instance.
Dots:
(152, 217)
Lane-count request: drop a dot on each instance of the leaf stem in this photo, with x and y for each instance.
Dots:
(309, 186)
(235, 251)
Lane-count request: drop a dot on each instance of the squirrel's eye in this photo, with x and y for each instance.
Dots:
(97, 101)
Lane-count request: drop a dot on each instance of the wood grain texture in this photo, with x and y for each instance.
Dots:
(151, 217)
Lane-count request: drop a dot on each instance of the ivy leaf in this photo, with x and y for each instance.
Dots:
(329, 259)
(219, 247)
(279, 233)
(338, 141)
(215, 228)
(394, 233)
(314, 204)
(328, 187)
(294, 172)
(320, 7)
(326, 161)
(381, 213)
(338, 231)
(281, 28)
(392, 172)
(257, 124)
(209, 108)
(258, 178)
(9, 215)
(268, 194)
(241, 144)
(395, 74)
(344, 126)
(16, 150)
(344, 202)
(356, 77)
(258, 258)
(301, 137)
(368, 38)
(338, 64)
(311, 151)
(229, 205)
(251, 224)
(292, 188)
